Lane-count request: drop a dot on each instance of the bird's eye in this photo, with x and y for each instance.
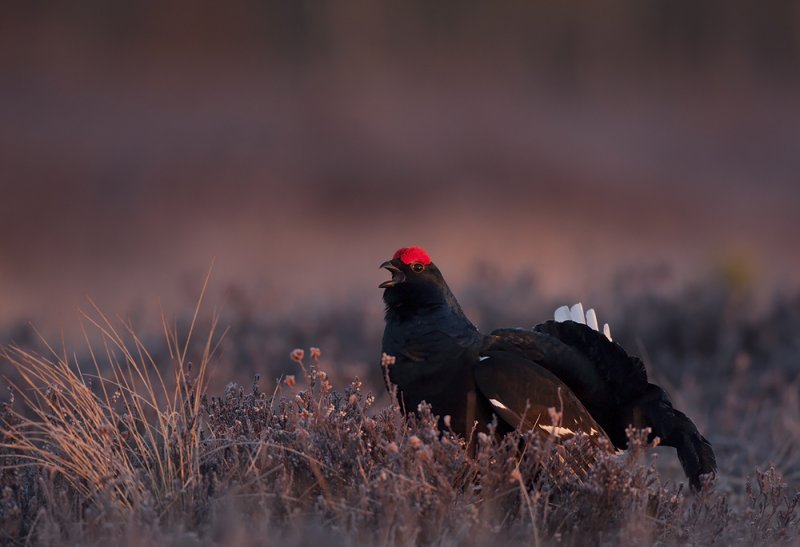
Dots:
(417, 267)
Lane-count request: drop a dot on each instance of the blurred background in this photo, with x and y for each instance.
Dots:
(640, 156)
(300, 143)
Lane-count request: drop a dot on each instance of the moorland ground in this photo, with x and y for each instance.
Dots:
(147, 438)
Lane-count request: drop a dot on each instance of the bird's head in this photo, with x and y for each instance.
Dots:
(415, 279)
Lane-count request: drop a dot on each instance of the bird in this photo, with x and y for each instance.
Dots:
(433, 353)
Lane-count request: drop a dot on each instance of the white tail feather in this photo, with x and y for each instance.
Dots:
(591, 319)
(562, 314)
(576, 312)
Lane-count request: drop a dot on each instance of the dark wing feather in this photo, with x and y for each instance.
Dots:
(623, 373)
(564, 361)
(521, 393)
(612, 385)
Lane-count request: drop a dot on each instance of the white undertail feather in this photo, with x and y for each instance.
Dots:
(575, 313)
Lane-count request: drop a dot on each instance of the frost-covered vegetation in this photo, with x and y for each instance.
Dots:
(127, 443)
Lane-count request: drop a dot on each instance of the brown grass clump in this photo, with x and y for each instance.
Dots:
(123, 455)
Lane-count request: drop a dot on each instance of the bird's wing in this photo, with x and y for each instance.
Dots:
(568, 363)
(526, 396)
(611, 384)
(600, 373)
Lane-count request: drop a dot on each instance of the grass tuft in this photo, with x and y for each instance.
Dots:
(128, 446)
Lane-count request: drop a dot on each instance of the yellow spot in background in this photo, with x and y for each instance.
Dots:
(737, 269)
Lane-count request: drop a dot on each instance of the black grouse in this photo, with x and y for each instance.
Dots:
(438, 356)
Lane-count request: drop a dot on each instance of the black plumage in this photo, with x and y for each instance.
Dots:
(518, 374)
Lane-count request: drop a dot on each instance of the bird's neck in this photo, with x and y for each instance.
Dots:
(441, 311)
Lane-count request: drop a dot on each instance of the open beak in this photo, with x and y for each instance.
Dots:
(397, 275)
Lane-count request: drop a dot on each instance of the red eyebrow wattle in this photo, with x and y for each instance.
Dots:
(409, 255)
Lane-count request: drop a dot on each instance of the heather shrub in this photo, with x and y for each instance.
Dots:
(121, 444)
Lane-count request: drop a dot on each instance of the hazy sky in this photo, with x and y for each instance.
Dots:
(301, 148)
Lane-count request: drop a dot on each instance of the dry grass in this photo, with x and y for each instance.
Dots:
(125, 455)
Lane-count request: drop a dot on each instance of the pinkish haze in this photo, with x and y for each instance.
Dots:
(301, 148)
